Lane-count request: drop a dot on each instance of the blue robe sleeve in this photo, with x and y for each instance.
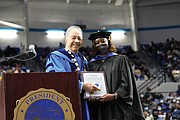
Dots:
(55, 63)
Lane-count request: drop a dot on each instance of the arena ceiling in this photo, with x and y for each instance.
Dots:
(62, 13)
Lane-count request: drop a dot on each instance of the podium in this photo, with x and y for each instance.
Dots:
(16, 86)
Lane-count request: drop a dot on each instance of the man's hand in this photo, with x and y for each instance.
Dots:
(89, 87)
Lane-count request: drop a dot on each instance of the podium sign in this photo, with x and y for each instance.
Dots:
(16, 86)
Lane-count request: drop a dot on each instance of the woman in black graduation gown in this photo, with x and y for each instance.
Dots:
(122, 100)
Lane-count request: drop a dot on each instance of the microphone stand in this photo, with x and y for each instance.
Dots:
(18, 59)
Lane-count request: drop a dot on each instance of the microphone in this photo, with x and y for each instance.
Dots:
(32, 49)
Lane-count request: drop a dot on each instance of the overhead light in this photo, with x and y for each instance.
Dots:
(11, 24)
(117, 34)
(55, 33)
(8, 33)
(67, 1)
(88, 1)
(119, 2)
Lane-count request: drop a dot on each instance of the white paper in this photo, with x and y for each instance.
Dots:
(98, 79)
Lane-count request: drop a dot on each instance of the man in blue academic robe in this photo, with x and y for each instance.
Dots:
(69, 59)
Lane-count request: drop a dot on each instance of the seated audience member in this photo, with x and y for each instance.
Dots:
(178, 91)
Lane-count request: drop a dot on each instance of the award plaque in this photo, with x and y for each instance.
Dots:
(98, 79)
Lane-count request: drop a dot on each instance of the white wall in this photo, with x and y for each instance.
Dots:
(40, 39)
(147, 17)
(14, 42)
(158, 16)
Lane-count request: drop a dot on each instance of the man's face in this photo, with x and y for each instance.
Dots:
(74, 40)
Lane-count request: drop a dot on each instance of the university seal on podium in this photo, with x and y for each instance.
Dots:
(44, 104)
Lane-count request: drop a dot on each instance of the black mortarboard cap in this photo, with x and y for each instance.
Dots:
(99, 34)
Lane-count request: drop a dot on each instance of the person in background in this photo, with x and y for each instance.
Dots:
(70, 59)
(155, 115)
(146, 115)
(1, 72)
(122, 100)
(178, 91)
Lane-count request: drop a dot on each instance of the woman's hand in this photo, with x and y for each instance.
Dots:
(106, 98)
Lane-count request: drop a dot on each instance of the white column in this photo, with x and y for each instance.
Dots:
(133, 20)
(26, 25)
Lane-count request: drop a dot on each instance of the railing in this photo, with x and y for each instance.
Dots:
(156, 81)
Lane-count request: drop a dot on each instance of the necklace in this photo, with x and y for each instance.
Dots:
(74, 60)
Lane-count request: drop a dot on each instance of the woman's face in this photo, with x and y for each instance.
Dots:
(74, 40)
(100, 41)
(101, 45)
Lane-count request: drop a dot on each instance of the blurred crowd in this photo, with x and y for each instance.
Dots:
(155, 105)
(159, 107)
(167, 56)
